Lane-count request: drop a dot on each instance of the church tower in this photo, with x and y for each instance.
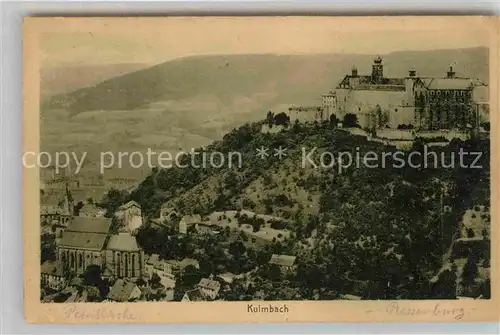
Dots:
(377, 71)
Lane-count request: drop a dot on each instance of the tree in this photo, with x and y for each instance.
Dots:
(237, 248)
(270, 117)
(333, 119)
(92, 277)
(350, 120)
(470, 233)
(77, 208)
(190, 276)
(470, 271)
(281, 119)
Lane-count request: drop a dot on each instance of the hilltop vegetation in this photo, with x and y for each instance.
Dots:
(381, 232)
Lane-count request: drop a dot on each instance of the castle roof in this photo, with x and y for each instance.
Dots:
(449, 83)
(123, 242)
(365, 82)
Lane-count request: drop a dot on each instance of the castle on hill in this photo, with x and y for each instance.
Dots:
(425, 103)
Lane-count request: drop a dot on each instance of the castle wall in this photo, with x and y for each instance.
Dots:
(364, 102)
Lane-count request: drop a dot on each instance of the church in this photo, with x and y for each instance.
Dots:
(424, 103)
(91, 241)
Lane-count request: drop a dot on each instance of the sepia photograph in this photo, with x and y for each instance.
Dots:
(184, 163)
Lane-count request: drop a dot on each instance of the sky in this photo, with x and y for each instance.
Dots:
(154, 40)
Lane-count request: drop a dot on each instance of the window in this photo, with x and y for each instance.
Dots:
(72, 260)
(80, 260)
(126, 265)
(133, 265)
(396, 110)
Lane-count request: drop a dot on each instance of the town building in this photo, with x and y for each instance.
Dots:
(124, 291)
(427, 103)
(89, 241)
(286, 263)
(168, 213)
(193, 295)
(209, 288)
(58, 211)
(131, 216)
(52, 275)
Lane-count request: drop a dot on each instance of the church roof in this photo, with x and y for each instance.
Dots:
(82, 240)
(123, 242)
(89, 225)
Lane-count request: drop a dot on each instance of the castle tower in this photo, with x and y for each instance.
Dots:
(354, 72)
(377, 70)
(450, 73)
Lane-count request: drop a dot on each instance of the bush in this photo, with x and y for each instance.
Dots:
(350, 120)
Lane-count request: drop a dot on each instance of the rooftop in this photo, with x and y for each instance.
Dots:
(195, 295)
(282, 260)
(209, 284)
(81, 240)
(123, 242)
(89, 225)
(54, 268)
(448, 83)
(153, 259)
(121, 290)
(129, 204)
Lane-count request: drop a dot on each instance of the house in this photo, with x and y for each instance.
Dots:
(123, 291)
(206, 228)
(149, 264)
(171, 268)
(193, 295)
(227, 277)
(188, 221)
(285, 262)
(91, 211)
(188, 261)
(54, 215)
(209, 288)
(131, 216)
(52, 275)
(168, 213)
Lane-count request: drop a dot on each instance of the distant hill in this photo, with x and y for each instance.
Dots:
(266, 80)
(64, 79)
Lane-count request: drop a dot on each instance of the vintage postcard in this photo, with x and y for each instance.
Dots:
(260, 169)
